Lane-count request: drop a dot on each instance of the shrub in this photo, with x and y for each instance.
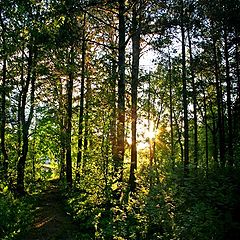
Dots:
(15, 215)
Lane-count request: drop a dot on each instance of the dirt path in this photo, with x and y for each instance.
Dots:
(51, 221)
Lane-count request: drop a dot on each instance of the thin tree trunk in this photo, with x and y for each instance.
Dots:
(86, 132)
(113, 104)
(33, 153)
(229, 101)
(3, 99)
(113, 128)
(194, 102)
(149, 126)
(219, 106)
(3, 119)
(81, 111)
(62, 125)
(62, 140)
(19, 124)
(215, 143)
(237, 70)
(179, 138)
(113, 140)
(69, 119)
(86, 122)
(171, 110)
(25, 123)
(121, 95)
(184, 95)
(134, 86)
(206, 129)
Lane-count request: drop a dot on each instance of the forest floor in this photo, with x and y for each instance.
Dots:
(51, 221)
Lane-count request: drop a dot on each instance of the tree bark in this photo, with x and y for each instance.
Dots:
(81, 110)
(119, 158)
(206, 128)
(237, 70)
(58, 89)
(69, 119)
(149, 127)
(184, 95)
(179, 137)
(25, 123)
(113, 130)
(171, 110)
(194, 96)
(134, 86)
(221, 128)
(3, 99)
(229, 101)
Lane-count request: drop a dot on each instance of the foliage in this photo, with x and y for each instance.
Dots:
(205, 207)
(69, 85)
(15, 215)
(199, 208)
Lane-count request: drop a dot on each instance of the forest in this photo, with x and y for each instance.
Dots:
(124, 114)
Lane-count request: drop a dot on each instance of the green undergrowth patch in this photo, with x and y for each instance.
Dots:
(16, 214)
(198, 207)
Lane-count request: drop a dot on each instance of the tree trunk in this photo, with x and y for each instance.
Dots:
(179, 137)
(25, 123)
(63, 146)
(149, 128)
(69, 119)
(58, 88)
(229, 101)
(81, 111)
(21, 163)
(194, 96)
(121, 94)
(184, 95)
(134, 86)
(237, 70)
(113, 129)
(3, 99)
(86, 123)
(171, 110)
(219, 106)
(3, 120)
(206, 128)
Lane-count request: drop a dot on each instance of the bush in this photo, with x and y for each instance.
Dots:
(15, 215)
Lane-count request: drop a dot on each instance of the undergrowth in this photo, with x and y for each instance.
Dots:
(15, 214)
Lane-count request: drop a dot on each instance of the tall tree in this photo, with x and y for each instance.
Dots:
(24, 120)
(229, 98)
(184, 91)
(69, 117)
(121, 92)
(171, 108)
(220, 110)
(136, 31)
(81, 110)
(194, 96)
(3, 98)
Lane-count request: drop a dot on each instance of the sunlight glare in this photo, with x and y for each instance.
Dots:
(142, 145)
(151, 134)
(129, 141)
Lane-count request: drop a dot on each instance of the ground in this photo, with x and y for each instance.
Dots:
(51, 221)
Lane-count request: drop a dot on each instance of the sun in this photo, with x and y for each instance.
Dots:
(151, 134)
(146, 134)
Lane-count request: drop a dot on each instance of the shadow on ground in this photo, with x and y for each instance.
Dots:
(51, 222)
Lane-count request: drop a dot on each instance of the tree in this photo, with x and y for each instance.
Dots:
(3, 99)
(184, 92)
(81, 113)
(118, 159)
(25, 123)
(136, 31)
